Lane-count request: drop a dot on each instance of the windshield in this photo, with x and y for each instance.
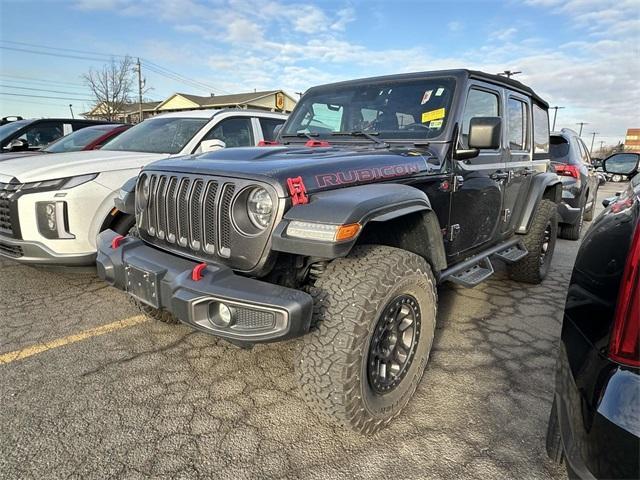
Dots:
(399, 109)
(158, 135)
(77, 140)
(8, 128)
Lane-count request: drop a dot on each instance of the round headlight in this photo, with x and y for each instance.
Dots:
(143, 192)
(260, 207)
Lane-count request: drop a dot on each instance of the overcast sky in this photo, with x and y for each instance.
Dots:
(580, 54)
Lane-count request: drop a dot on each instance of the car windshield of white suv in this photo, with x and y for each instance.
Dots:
(8, 128)
(400, 109)
(158, 135)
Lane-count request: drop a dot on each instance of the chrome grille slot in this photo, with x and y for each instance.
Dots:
(183, 212)
(209, 216)
(161, 209)
(225, 219)
(152, 206)
(172, 200)
(195, 215)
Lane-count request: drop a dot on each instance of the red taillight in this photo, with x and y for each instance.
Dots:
(624, 346)
(568, 170)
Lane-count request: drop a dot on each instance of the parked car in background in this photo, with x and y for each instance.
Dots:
(595, 418)
(34, 134)
(9, 119)
(88, 138)
(570, 160)
(52, 206)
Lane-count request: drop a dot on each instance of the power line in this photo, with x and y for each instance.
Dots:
(36, 80)
(148, 64)
(45, 96)
(41, 90)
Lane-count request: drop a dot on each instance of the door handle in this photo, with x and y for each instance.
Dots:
(499, 175)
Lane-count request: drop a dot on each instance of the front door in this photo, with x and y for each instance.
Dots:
(476, 199)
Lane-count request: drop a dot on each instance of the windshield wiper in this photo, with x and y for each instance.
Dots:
(358, 133)
(310, 136)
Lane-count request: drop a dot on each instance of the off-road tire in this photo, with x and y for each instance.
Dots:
(572, 232)
(154, 313)
(530, 269)
(124, 224)
(349, 298)
(555, 450)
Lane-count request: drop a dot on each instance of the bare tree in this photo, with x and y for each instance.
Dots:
(112, 87)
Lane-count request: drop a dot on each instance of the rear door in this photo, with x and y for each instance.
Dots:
(519, 162)
(476, 199)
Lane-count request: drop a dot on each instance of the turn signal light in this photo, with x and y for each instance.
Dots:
(347, 232)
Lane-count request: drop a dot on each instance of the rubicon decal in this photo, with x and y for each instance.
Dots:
(366, 174)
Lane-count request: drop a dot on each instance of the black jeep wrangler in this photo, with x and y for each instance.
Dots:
(377, 191)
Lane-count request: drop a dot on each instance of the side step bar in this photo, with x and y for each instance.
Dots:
(478, 268)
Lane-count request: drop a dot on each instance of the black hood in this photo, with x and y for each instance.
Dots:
(321, 168)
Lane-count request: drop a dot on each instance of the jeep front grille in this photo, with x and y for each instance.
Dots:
(192, 215)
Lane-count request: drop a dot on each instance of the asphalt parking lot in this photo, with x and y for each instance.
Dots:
(90, 389)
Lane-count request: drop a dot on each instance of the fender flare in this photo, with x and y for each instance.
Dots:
(539, 185)
(359, 204)
(125, 199)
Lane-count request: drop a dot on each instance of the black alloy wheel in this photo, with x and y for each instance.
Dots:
(393, 344)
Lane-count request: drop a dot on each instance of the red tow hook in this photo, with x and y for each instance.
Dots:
(267, 143)
(197, 272)
(115, 243)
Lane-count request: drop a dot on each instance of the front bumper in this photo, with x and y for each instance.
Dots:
(262, 312)
(35, 253)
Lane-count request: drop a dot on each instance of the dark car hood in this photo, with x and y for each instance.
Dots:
(10, 155)
(321, 168)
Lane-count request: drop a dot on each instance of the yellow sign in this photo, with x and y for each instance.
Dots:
(433, 115)
(280, 101)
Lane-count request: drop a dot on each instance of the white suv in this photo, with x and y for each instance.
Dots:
(53, 206)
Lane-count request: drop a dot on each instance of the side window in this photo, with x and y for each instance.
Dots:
(584, 153)
(234, 132)
(268, 126)
(518, 124)
(480, 103)
(540, 130)
(43, 134)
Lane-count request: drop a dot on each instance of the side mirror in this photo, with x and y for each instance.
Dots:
(621, 163)
(18, 145)
(485, 133)
(211, 145)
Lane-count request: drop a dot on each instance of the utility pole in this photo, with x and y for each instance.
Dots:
(71, 110)
(508, 73)
(592, 140)
(139, 69)
(582, 124)
(555, 114)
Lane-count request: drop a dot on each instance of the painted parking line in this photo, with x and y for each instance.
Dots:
(77, 337)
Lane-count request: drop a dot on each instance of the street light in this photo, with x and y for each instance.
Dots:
(582, 124)
(592, 140)
(71, 110)
(555, 114)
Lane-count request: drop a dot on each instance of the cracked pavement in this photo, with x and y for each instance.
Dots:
(156, 400)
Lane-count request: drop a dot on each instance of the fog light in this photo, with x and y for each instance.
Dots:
(220, 314)
(53, 221)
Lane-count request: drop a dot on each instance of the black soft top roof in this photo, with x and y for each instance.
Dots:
(459, 74)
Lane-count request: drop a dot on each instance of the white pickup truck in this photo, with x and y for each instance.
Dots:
(53, 206)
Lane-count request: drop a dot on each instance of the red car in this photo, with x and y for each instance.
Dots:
(88, 138)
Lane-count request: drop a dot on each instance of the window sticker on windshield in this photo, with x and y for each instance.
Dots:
(426, 97)
(439, 92)
(435, 124)
(433, 115)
